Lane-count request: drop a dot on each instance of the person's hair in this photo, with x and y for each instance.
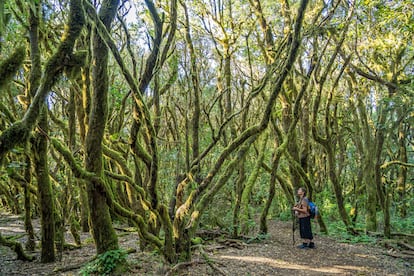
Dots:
(303, 190)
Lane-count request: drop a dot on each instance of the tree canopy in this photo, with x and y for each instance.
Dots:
(178, 115)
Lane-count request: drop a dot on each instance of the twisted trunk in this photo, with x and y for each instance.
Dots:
(101, 222)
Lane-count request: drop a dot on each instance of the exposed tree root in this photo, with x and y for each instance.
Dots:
(400, 256)
(395, 250)
(207, 234)
(182, 265)
(407, 252)
(16, 247)
(406, 246)
(233, 243)
(209, 261)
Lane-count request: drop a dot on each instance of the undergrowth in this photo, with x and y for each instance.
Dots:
(106, 263)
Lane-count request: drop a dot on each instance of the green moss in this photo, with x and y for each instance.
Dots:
(16, 134)
(75, 63)
(74, 164)
(9, 66)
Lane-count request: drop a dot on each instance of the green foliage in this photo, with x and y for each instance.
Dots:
(250, 225)
(405, 225)
(259, 196)
(285, 215)
(338, 230)
(348, 238)
(12, 136)
(258, 239)
(106, 263)
(197, 240)
(281, 207)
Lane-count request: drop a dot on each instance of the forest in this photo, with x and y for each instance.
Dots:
(180, 120)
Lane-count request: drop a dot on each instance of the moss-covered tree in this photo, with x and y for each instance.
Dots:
(101, 222)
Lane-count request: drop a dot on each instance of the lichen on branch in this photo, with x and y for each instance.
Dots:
(19, 132)
(10, 65)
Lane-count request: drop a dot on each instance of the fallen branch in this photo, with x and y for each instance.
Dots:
(395, 234)
(405, 246)
(407, 252)
(390, 245)
(71, 267)
(400, 256)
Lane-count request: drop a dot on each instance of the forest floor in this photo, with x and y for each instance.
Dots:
(275, 255)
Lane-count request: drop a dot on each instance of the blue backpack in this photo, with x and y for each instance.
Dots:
(313, 209)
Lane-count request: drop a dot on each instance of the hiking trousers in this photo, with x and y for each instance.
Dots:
(305, 228)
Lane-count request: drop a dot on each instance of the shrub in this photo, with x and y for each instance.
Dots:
(106, 263)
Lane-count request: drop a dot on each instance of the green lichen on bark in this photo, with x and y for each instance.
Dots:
(74, 164)
(16, 134)
(10, 65)
(7, 113)
(55, 65)
(98, 193)
(19, 132)
(244, 212)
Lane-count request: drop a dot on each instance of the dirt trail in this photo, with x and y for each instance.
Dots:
(274, 256)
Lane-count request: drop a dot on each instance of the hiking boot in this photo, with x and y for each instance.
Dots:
(311, 245)
(303, 246)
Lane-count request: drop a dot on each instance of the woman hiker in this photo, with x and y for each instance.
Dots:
(302, 212)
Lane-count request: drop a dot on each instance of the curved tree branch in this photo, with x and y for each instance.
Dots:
(19, 132)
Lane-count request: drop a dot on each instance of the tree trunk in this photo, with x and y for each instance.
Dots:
(82, 108)
(45, 193)
(195, 123)
(402, 172)
(379, 144)
(380, 136)
(30, 243)
(101, 222)
(387, 215)
(40, 148)
(367, 149)
(84, 214)
(246, 194)
(371, 192)
(239, 187)
(337, 189)
(272, 191)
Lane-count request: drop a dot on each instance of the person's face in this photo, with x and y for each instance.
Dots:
(300, 192)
